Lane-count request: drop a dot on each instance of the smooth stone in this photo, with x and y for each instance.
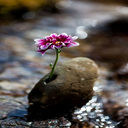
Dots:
(71, 87)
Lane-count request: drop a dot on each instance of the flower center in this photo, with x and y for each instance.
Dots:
(57, 42)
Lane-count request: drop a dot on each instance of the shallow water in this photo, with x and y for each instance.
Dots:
(100, 39)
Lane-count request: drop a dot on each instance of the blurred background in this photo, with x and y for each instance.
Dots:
(102, 28)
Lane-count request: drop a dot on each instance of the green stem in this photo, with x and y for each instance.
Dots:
(53, 68)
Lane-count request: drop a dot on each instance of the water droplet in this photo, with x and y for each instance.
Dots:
(83, 109)
(93, 104)
(96, 126)
(78, 112)
(84, 114)
(68, 124)
(103, 120)
(102, 124)
(95, 88)
(94, 99)
(100, 115)
(79, 117)
(106, 117)
(109, 122)
(97, 120)
(88, 108)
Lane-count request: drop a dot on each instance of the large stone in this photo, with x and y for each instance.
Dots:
(72, 86)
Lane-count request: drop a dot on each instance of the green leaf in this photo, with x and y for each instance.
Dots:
(51, 66)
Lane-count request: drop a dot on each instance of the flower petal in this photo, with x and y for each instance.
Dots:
(75, 37)
(73, 44)
(52, 47)
(64, 34)
(58, 46)
(39, 41)
(55, 41)
(54, 35)
(43, 47)
(36, 40)
(41, 51)
(63, 44)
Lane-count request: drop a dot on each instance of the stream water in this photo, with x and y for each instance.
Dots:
(103, 36)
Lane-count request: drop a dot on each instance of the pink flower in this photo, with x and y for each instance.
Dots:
(55, 41)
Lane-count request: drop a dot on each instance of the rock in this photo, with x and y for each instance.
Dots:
(72, 86)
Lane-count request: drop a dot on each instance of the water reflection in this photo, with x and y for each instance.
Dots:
(93, 112)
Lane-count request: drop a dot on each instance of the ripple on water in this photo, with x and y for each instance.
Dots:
(93, 112)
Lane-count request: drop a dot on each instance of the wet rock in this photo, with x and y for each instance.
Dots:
(14, 122)
(53, 123)
(71, 87)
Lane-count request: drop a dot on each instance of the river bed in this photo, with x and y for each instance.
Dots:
(103, 37)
